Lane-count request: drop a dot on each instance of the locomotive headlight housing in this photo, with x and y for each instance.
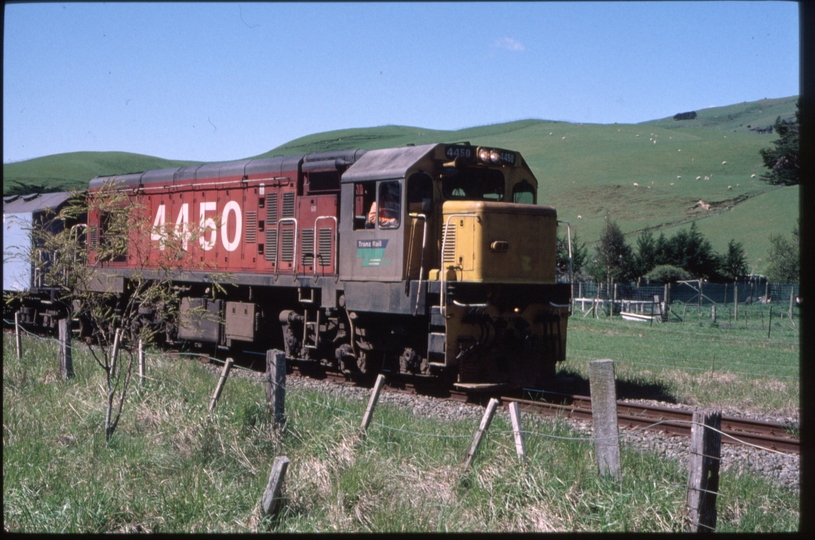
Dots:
(495, 157)
(484, 155)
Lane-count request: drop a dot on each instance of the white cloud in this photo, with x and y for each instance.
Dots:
(509, 44)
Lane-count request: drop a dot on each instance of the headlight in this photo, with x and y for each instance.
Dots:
(484, 155)
(495, 157)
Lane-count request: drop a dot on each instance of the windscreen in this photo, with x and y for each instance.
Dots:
(473, 184)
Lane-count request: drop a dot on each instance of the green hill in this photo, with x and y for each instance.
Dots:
(73, 171)
(659, 175)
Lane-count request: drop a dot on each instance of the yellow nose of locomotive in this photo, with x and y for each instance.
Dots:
(492, 242)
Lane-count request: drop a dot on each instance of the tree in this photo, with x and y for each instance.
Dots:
(148, 301)
(783, 161)
(734, 263)
(645, 259)
(784, 258)
(579, 253)
(613, 260)
(691, 251)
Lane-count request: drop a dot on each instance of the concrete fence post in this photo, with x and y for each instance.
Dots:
(369, 412)
(221, 383)
(485, 423)
(276, 385)
(272, 502)
(604, 417)
(66, 365)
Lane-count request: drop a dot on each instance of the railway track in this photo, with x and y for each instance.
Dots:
(768, 435)
(763, 434)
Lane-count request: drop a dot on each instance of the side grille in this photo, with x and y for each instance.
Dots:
(288, 205)
(271, 227)
(287, 243)
(307, 240)
(271, 208)
(449, 255)
(326, 252)
(93, 237)
(251, 227)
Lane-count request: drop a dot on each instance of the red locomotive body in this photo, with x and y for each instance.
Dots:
(398, 259)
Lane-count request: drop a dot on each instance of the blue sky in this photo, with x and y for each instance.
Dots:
(217, 82)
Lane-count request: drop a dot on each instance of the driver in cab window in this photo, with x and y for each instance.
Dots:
(389, 208)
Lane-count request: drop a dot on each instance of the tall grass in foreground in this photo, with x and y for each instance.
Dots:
(173, 467)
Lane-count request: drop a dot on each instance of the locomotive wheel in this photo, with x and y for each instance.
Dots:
(369, 362)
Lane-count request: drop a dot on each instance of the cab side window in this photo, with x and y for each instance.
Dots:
(523, 193)
(364, 198)
(420, 193)
(389, 207)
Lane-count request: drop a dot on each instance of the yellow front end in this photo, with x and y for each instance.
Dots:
(494, 242)
(505, 315)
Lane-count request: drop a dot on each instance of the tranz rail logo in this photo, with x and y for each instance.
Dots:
(371, 251)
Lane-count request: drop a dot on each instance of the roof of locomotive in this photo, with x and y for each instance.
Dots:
(385, 164)
(34, 202)
(244, 168)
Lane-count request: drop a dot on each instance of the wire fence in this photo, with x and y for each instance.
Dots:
(501, 438)
(771, 310)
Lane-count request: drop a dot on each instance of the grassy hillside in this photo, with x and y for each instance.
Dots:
(650, 175)
(66, 172)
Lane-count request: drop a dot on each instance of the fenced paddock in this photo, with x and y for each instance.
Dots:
(746, 306)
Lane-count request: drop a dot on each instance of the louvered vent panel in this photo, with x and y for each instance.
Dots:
(449, 255)
(271, 245)
(271, 209)
(271, 227)
(288, 205)
(251, 227)
(326, 236)
(93, 237)
(287, 244)
(307, 247)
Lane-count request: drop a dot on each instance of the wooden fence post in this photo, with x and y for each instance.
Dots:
(141, 362)
(736, 302)
(221, 382)
(18, 336)
(613, 302)
(276, 385)
(271, 501)
(515, 416)
(66, 365)
(705, 458)
(604, 417)
(792, 301)
(485, 423)
(770, 322)
(369, 412)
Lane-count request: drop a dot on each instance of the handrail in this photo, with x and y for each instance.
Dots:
(280, 244)
(410, 257)
(571, 278)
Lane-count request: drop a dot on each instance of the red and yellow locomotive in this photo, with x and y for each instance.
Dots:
(431, 260)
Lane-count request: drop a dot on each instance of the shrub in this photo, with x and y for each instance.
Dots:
(666, 273)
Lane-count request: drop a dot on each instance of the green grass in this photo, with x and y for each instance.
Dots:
(173, 467)
(728, 364)
(586, 170)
